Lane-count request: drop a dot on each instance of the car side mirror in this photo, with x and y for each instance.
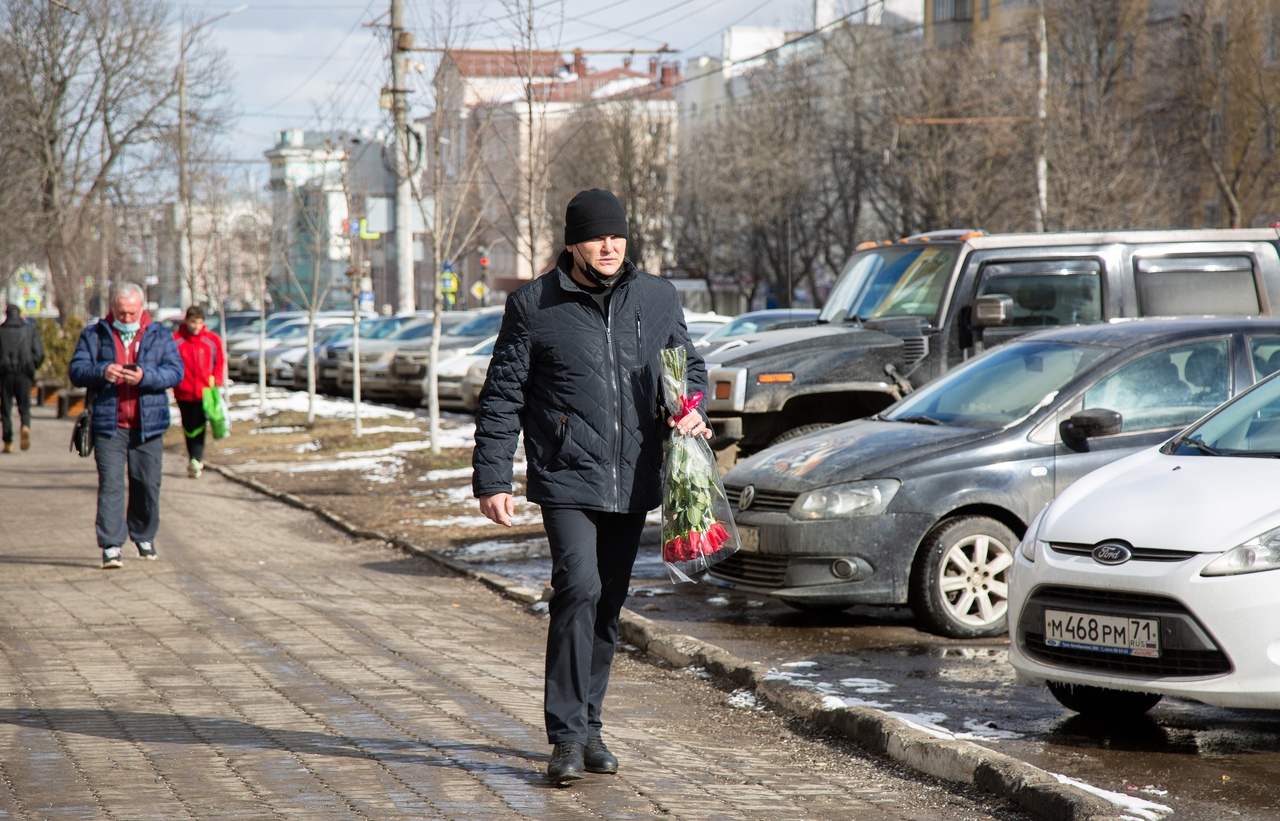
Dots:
(1087, 424)
(992, 311)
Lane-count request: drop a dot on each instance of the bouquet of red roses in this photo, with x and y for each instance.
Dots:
(697, 522)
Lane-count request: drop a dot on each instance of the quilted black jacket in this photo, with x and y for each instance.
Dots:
(585, 389)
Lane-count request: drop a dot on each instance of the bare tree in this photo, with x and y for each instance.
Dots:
(1223, 66)
(88, 88)
(628, 146)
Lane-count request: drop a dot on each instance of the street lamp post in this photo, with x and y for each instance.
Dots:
(186, 278)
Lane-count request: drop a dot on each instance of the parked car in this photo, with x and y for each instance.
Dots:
(451, 376)
(755, 322)
(327, 354)
(904, 313)
(409, 364)
(924, 503)
(236, 320)
(291, 332)
(1157, 575)
(283, 357)
(380, 352)
(473, 382)
(277, 318)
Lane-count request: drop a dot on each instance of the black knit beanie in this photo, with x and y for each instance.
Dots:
(594, 213)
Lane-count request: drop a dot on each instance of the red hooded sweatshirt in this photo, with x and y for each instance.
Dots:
(127, 402)
(202, 357)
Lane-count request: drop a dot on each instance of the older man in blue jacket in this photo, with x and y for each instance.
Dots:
(127, 364)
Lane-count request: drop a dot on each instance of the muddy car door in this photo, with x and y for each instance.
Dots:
(1156, 394)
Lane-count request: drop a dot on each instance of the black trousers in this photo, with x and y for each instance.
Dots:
(193, 425)
(16, 388)
(591, 558)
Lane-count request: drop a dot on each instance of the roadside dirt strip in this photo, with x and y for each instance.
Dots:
(1030, 788)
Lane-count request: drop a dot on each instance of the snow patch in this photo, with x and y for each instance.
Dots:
(1140, 807)
(866, 686)
(744, 700)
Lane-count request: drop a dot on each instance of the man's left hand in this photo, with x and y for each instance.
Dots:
(131, 376)
(690, 425)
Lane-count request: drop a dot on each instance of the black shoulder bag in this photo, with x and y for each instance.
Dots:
(82, 431)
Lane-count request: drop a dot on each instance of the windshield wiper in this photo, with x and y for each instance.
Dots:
(1199, 445)
(918, 420)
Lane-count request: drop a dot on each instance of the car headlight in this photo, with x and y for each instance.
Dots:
(867, 498)
(1258, 554)
(1031, 541)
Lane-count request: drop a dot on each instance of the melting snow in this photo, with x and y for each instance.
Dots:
(1140, 807)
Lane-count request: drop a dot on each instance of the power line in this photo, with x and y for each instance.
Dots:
(320, 67)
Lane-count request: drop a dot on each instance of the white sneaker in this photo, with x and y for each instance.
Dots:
(194, 467)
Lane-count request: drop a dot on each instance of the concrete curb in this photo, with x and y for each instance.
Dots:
(1025, 786)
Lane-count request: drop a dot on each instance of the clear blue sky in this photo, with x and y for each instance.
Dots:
(316, 64)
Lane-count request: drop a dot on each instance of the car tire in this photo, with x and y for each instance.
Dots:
(959, 579)
(1102, 702)
(795, 433)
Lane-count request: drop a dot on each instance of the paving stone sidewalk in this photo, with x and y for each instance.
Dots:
(269, 667)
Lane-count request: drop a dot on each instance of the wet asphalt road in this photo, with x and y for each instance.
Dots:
(1204, 762)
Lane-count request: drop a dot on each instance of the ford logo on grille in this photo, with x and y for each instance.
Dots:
(1111, 553)
(748, 496)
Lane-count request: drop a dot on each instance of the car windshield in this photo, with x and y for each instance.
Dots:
(287, 330)
(486, 325)
(891, 281)
(999, 388)
(1249, 425)
(419, 331)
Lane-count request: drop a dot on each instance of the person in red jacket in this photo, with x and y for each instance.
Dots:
(204, 358)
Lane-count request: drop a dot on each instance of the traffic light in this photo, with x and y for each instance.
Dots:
(484, 257)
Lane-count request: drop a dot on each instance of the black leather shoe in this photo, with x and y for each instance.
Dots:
(598, 759)
(566, 762)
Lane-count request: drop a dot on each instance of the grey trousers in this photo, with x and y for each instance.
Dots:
(591, 558)
(118, 454)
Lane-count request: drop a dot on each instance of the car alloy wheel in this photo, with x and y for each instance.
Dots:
(959, 582)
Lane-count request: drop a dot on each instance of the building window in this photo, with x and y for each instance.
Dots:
(1271, 50)
(947, 10)
(986, 9)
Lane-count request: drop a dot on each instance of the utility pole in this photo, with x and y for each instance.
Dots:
(401, 43)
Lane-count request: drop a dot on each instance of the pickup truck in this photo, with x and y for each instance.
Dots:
(903, 313)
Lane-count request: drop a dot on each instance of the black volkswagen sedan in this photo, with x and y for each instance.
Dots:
(924, 503)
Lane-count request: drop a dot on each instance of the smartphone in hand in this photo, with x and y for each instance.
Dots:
(131, 366)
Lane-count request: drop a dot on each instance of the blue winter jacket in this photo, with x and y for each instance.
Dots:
(161, 369)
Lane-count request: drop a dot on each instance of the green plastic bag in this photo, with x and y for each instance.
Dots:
(216, 412)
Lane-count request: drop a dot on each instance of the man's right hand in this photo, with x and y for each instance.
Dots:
(498, 507)
(113, 373)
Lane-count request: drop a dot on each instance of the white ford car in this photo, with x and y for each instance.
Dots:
(1159, 575)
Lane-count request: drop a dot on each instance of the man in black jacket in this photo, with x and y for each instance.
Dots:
(576, 366)
(21, 354)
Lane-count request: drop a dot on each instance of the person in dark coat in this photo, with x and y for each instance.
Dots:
(576, 366)
(128, 363)
(21, 355)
